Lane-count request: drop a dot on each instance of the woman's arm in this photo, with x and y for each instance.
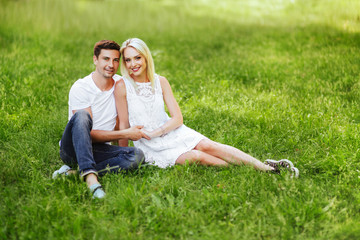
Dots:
(174, 110)
(122, 109)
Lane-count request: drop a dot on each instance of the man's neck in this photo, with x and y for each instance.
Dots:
(104, 84)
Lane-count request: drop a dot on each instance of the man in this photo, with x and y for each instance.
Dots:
(92, 119)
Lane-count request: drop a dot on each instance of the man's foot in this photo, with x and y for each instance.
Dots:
(283, 163)
(97, 191)
(65, 170)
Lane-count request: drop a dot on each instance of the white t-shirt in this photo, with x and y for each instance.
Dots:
(84, 93)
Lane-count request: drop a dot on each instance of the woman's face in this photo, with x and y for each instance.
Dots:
(135, 62)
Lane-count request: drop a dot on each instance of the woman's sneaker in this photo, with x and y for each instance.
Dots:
(283, 163)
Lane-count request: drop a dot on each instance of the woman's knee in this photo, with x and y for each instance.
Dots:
(196, 155)
(190, 157)
(205, 145)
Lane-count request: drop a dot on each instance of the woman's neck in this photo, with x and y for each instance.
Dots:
(141, 79)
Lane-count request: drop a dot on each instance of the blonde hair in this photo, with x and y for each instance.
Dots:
(143, 49)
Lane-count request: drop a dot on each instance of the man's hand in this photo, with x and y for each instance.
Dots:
(134, 133)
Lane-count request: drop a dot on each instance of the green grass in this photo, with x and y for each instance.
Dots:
(275, 78)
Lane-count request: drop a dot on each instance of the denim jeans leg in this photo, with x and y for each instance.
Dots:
(76, 145)
(111, 158)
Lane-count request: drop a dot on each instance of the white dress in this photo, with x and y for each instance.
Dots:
(146, 107)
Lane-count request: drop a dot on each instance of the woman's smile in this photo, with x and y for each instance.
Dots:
(135, 69)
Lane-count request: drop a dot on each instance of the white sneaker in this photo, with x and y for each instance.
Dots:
(97, 191)
(62, 171)
(283, 163)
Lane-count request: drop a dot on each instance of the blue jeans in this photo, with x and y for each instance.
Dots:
(77, 149)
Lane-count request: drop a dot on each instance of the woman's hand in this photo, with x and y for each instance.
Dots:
(150, 135)
(155, 133)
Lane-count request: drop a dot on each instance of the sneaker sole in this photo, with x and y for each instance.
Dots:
(295, 172)
(285, 163)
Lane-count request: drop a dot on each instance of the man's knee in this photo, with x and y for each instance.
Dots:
(139, 156)
(82, 117)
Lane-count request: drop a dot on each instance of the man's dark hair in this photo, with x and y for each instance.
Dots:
(105, 44)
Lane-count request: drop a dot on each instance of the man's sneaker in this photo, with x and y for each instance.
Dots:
(64, 170)
(97, 191)
(283, 163)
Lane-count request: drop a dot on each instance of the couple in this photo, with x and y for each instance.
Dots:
(104, 107)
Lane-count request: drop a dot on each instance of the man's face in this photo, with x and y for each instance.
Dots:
(107, 63)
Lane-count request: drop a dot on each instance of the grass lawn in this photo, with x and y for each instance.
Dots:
(275, 78)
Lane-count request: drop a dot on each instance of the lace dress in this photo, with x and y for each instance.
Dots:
(146, 107)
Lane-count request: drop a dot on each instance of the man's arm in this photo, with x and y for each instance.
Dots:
(132, 133)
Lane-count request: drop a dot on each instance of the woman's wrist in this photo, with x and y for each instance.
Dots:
(159, 132)
(162, 131)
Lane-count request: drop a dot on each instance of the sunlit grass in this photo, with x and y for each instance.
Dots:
(275, 78)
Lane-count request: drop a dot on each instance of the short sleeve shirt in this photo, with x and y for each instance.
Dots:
(84, 93)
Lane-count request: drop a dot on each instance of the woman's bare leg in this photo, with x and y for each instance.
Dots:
(230, 154)
(195, 156)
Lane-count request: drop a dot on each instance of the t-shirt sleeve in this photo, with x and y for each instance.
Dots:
(79, 98)
(116, 77)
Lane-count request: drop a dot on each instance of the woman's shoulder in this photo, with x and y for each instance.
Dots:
(164, 83)
(120, 86)
(162, 79)
(120, 82)
(116, 77)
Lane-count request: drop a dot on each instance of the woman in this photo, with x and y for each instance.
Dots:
(140, 97)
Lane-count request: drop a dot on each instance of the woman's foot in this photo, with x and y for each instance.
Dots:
(283, 163)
